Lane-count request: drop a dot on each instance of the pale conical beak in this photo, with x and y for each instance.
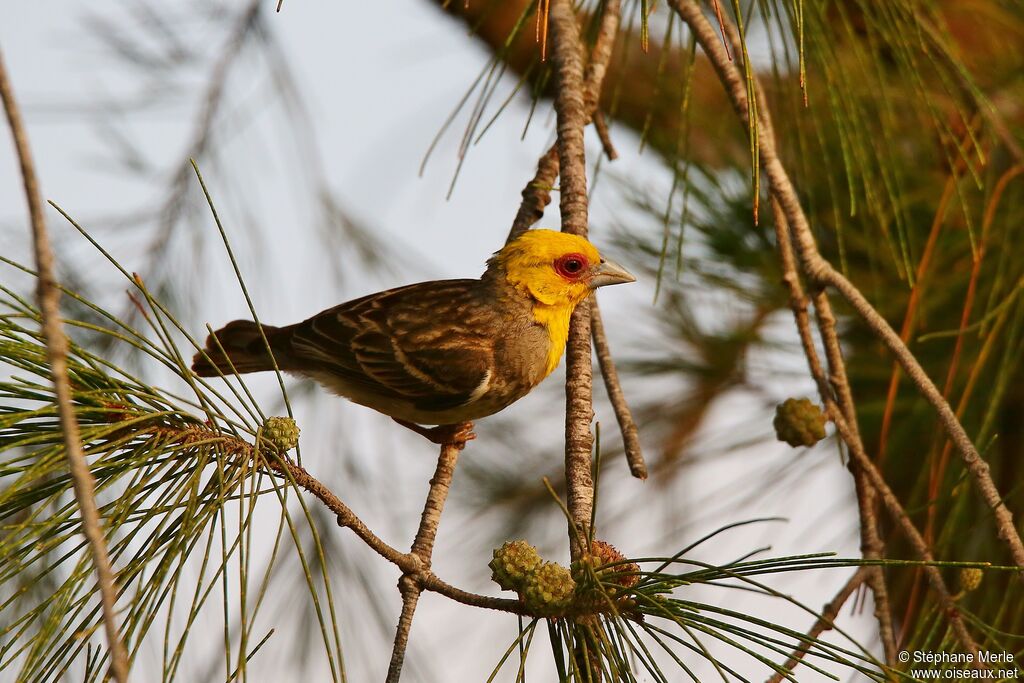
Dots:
(610, 273)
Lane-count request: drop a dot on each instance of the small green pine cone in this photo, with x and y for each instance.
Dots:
(799, 422)
(548, 589)
(512, 563)
(970, 578)
(281, 432)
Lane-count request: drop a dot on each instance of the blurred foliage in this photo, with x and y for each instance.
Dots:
(905, 144)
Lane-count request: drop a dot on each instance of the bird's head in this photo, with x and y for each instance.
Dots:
(557, 269)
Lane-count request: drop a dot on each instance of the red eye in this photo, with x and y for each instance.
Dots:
(571, 266)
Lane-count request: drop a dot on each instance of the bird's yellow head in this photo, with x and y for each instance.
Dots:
(558, 271)
(556, 268)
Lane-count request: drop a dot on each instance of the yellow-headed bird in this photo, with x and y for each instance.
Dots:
(442, 352)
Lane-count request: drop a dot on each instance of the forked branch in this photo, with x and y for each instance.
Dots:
(410, 584)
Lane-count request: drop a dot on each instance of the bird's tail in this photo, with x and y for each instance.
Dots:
(237, 347)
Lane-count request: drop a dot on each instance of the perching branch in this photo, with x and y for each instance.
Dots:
(410, 563)
(422, 549)
(571, 112)
(537, 195)
(48, 294)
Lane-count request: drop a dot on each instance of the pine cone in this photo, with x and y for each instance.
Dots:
(970, 578)
(549, 589)
(512, 563)
(281, 432)
(603, 553)
(799, 422)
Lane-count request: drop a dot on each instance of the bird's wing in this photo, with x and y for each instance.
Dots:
(428, 343)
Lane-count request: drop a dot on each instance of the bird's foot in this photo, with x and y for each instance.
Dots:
(456, 434)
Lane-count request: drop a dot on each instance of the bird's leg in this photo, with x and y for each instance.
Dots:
(456, 434)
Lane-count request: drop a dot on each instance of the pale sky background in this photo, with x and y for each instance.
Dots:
(379, 80)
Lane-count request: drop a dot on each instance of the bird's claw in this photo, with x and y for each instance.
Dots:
(455, 434)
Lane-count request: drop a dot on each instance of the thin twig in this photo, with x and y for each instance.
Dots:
(630, 433)
(536, 194)
(820, 272)
(298, 476)
(601, 55)
(601, 126)
(410, 591)
(422, 548)
(429, 581)
(48, 293)
(593, 76)
(423, 545)
(407, 562)
(976, 466)
(824, 623)
(346, 518)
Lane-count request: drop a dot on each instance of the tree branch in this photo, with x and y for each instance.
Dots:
(976, 466)
(422, 549)
(298, 476)
(537, 195)
(48, 294)
(410, 598)
(835, 385)
(571, 114)
(409, 563)
(871, 542)
(913, 536)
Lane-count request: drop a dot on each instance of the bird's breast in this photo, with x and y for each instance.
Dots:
(555, 322)
(536, 345)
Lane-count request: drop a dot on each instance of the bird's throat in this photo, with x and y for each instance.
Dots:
(555, 319)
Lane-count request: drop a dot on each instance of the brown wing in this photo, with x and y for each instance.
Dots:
(427, 343)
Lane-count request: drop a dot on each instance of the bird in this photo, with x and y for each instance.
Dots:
(442, 352)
